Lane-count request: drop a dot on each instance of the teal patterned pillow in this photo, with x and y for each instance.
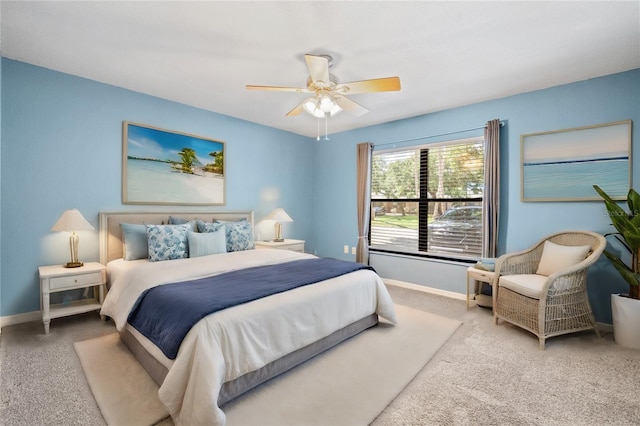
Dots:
(168, 242)
(239, 235)
(209, 226)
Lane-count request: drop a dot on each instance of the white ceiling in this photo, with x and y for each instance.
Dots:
(447, 54)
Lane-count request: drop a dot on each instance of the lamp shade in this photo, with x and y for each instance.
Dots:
(72, 220)
(279, 215)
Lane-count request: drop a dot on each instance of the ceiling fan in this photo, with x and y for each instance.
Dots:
(328, 93)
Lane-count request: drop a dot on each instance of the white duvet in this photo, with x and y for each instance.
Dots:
(232, 342)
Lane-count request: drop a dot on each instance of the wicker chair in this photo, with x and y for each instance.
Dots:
(551, 305)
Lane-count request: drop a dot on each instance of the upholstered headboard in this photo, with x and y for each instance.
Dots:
(111, 234)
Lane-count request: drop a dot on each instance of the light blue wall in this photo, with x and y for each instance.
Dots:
(600, 100)
(0, 180)
(62, 148)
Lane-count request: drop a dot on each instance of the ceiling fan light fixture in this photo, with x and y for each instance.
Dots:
(321, 106)
(312, 106)
(335, 109)
(326, 103)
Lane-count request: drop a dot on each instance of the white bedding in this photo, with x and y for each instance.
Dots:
(120, 266)
(232, 342)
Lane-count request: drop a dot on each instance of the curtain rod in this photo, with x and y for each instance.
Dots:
(435, 136)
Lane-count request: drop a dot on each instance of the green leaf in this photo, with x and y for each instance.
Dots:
(632, 237)
(603, 194)
(628, 225)
(629, 276)
(633, 201)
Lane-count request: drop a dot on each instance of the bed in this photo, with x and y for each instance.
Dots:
(232, 350)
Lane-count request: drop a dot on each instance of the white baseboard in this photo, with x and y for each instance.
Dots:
(601, 326)
(36, 315)
(425, 289)
(20, 318)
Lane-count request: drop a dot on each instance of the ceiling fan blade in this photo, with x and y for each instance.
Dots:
(318, 68)
(296, 111)
(351, 106)
(277, 88)
(387, 84)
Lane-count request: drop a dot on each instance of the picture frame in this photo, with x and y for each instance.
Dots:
(161, 166)
(563, 165)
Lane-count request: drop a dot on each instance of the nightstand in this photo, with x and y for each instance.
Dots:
(293, 245)
(480, 275)
(57, 278)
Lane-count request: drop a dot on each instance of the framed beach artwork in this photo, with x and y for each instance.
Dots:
(166, 167)
(564, 165)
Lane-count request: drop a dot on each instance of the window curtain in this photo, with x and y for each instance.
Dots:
(363, 170)
(491, 197)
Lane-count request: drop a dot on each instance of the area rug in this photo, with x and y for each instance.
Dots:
(347, 385)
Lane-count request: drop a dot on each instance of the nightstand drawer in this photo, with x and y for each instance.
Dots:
(481, 275)
(81, 280)
(291, 245)
(294, 247)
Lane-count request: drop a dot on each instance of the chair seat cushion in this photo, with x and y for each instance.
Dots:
(529, 285)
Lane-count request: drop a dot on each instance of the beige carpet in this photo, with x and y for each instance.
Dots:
(348, 385)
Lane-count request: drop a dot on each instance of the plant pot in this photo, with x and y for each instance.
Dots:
(626, 321)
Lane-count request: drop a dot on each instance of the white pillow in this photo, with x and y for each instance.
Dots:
(556, 257)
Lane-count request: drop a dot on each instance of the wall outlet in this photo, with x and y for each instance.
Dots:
(353, 250)
(346, 249)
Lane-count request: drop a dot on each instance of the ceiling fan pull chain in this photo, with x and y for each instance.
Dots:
(318, 137)
(326, 121)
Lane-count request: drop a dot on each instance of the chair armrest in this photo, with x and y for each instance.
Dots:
(521, 262)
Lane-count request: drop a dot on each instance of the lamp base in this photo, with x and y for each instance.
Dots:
(278, 240)
(73, 264)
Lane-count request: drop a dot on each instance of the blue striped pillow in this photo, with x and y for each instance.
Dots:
(206, 243)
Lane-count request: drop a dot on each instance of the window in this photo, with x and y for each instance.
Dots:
(427, 200)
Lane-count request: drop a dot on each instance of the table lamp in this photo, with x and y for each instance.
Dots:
(72, 221)
(279, 216)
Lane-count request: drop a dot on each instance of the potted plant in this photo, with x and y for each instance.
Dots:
(625, 309)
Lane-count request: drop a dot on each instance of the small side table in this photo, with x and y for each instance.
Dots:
(480, 275)
(293, 245)
(57, 278)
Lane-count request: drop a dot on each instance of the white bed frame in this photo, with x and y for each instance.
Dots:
(111, 247)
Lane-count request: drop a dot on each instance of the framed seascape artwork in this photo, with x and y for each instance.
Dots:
(166, 167)
(563, 165)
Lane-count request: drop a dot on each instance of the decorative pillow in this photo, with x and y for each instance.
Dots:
(168, 242)
(204, 244)
(134, 239)
(177, 221)
(556, 257)
(209, 226)
(239, 235)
